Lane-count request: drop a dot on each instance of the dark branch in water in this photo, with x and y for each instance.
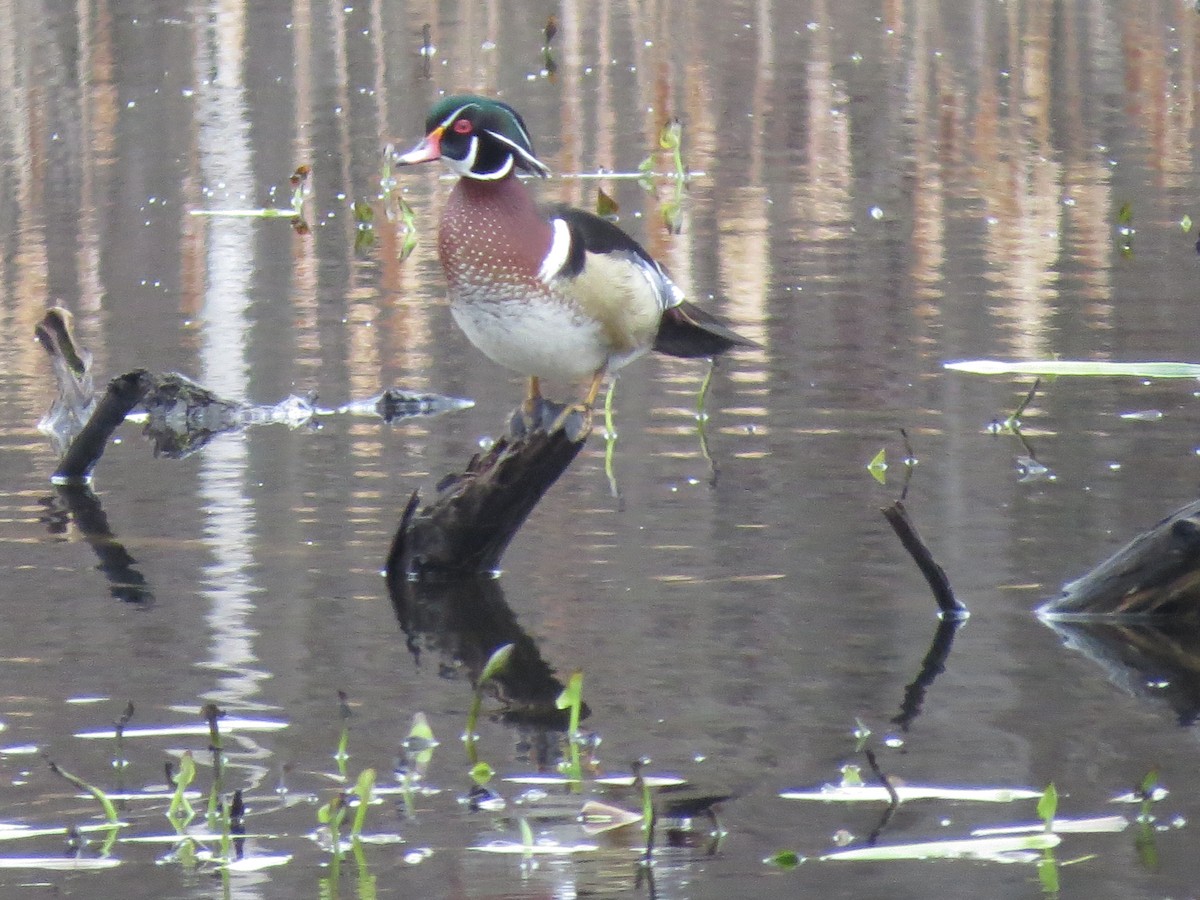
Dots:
(123, 394)
(935, 575)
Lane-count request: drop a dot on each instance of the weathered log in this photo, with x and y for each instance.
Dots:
(182, 416)
(123, 394)
(1157, 574)
(477, 512)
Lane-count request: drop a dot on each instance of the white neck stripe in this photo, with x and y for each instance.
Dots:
(559, 252)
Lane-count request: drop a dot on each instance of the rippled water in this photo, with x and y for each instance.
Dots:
(880, 188)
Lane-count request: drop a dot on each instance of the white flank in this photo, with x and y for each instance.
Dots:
(560, 250)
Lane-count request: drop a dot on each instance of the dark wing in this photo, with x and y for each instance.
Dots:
(685, 330)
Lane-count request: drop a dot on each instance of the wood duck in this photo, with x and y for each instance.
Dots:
(550, 292)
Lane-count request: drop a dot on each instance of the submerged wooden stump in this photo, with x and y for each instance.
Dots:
(1157, 574)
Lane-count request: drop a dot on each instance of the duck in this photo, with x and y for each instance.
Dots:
(549, 291)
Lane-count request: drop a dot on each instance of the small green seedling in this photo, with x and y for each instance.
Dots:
(110, 811)
(211, 714)
(180, 812)
(494, 666)
(342, 755)
(331, 815)
(1048, 806)
(784, 859)
(571, 699)
(363, 789)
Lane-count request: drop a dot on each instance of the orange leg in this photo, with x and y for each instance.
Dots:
(583, 407)
(590, 400)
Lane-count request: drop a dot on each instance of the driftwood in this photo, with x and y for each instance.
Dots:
(477, 512)
(180, 415)
(1157, 574)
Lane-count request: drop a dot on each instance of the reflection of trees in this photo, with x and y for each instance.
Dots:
(960, 101)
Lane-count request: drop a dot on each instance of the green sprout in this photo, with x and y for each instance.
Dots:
(342, 755)
(418, 751)
(1149, 791)
(572, 699)
(363, 789)
(395, 206)
(331, 815)
(1125, 229)
(482, 773)
(1048, 806)
(110, 811)
(494, 666)
(180, 811)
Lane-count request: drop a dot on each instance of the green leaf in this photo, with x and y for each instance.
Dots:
(1186, 223)
(1149, 784)
(364, 213)
(1125, 213)
(496, 663)
(878, 469)
(785, 859)
(606, 206)
(482, 773)
(110, 811)
(362, 789)
(526, 833)
(1048, 806)
(670, 135)
(672, 215)
(420, 729)
(572, 698)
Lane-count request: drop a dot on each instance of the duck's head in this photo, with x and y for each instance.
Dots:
(477, 138)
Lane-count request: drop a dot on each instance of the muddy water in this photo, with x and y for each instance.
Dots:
(879, 188)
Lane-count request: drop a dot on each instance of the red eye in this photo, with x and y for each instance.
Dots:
(462, 126)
